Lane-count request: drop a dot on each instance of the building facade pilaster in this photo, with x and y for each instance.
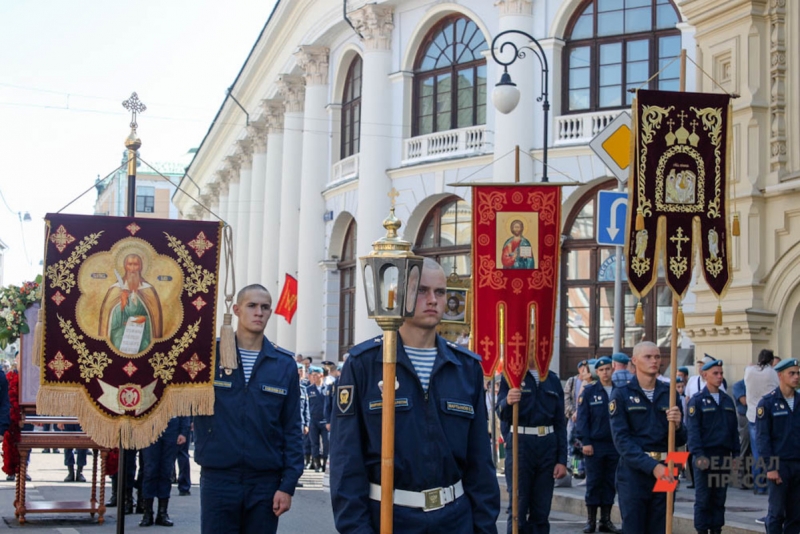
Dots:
(292, 88)
(244, 156)
(315, 170)
(257, 135)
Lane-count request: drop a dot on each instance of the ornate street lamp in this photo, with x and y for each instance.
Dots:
(391, 278)
(505, 96)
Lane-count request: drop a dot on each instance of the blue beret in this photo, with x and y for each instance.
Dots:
(592, 361)
(301, 366)
(620, 357)
(315, 369)
(712, 363)
(605, 360)
(581, 363)
(785, 364)
(683, 369)
(679, 380)
(339, 366)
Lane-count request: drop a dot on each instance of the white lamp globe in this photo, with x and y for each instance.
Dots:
(505, 96)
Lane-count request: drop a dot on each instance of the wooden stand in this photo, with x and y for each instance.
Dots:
(67, 440)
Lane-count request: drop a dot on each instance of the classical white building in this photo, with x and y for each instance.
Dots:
(398, 95)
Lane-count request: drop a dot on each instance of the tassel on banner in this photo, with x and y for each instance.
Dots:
(639, 315)
(718, 316)
(735, 226)
(227, 339)
(639, 219)
(38, 338)
(681, 320)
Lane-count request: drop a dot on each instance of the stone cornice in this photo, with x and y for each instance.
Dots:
(375, 24)
(515, 7)
(314, 62)
(293, 90)
(273, 115)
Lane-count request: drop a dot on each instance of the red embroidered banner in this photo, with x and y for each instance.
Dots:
(287, 304)
(516, 244)
(129, 324)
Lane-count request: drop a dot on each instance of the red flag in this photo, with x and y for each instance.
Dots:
(516, 245)
(287, 304)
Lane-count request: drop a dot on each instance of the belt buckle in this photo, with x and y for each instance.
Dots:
(541, 430)
(656, 456)
(433, 500)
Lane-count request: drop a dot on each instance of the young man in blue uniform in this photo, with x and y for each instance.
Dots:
(598, 448)
(159, 461)
(620, 374)
(250, 450)
(542, 451)
(714, 442)
(444, 478)
(778, 435)
(639, 416)
(317, 428)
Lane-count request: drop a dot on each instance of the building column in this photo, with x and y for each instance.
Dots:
(293, 90)
(270, 240)
(232, 209)
(375, 24)
(223, 190)
(315, 168)
(257, 134)
(244, 155)
(519, 126)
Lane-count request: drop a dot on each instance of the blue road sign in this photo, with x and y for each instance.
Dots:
(612, 211)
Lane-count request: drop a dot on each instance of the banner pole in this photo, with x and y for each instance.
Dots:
(387, 431)
(673, 363)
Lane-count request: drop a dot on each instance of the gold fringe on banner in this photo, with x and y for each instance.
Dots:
(681, 320)
(639, 315)
(133, 434)
(227, 338)
(718, 315)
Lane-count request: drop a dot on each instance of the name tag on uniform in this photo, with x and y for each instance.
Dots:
(221, 384)
(712, 409)
(779, 413)
(273, 389)
(637, 407)
(459, 407)
(378, 404)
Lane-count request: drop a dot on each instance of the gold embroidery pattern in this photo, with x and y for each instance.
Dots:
(91, 365)
(712, 122)
(679, 264)
(199, 279)
(651, 121)
(542, 277)
(640, 265)
(714, 266)
(61, 238)
(700, 190)
(488, 204)
(60, 274)
(545, 204)
(164, 364)
(193, 366)
(59, 365)
(488, 275)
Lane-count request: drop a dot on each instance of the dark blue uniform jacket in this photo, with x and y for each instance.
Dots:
(640, 426)
(778, 427)
(316, 403)
(256, 426)
(713, 428)
(441, 436)
(593, 423)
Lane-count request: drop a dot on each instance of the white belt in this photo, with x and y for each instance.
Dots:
(428, 500)
(533, 430)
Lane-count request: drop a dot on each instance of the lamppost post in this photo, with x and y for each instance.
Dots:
(506, 95)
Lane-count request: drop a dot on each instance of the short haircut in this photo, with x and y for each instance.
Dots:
(251, 287)
(639, 347)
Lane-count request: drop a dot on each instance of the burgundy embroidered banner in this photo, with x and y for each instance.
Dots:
(516, 244)
(129, 323)
(678, 190)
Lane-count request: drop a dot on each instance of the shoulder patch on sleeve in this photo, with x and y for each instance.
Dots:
(612, 407)
(760, 412)
(580, 399)
(691, 411)
(344, 400)
(363, 347)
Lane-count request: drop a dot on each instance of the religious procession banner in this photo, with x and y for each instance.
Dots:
(129, 324)
(678, 191)
(516, 244)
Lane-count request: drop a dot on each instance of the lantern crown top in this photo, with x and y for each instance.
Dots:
(391, 244)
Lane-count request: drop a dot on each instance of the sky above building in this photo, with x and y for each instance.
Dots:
(66, 67)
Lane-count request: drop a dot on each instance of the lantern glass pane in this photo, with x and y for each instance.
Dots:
(388, 288)
(369, 288)
(411, 292)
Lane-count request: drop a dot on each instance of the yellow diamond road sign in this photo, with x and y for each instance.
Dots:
(613, 146)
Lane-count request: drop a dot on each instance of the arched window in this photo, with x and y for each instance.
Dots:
(351, 110)
(587, 298)
(450, 77)
(446, 236)
(616, 45)
(347, 289)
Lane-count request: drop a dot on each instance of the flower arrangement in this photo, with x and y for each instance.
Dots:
(13, 302)
(12, 435)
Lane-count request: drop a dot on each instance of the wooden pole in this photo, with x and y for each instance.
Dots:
(673, 362)
(387, 430)
(516, 164)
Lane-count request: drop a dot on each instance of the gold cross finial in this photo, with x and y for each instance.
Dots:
(679, 239)
(134, 105)
(393, 194)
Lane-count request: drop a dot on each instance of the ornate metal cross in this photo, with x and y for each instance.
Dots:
(134, 105)
(393, 194)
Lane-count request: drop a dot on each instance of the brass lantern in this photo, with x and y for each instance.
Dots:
(391, 276)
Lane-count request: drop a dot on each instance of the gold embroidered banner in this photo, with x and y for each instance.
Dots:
(129, 324)
(678, 190)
